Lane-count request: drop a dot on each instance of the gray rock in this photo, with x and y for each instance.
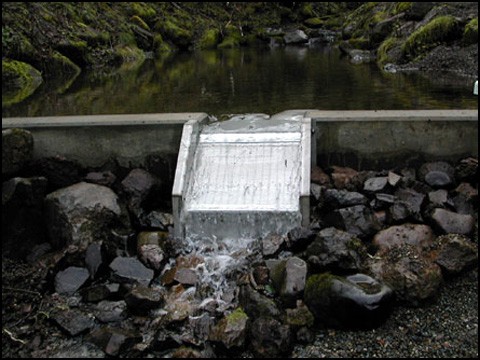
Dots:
(446, 222)
(141, 299)
(73, 321)
(114, 341)
(231, 330)
(70, 280)
(271, 244)
(335, 199)
(375, 184)
(130, 270)
(335, 250)
(358, 220)
(455, 253)
(294, 279)
(295, 37)
(93, 258)
(437, 174)
(418, 235)
(111, 311)
(270, 338)
(81, 213)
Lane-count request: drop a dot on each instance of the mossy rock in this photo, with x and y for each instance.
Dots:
(137, 20)
(232, 39)
(21, 79)
(314, 22)
(442, 29)
(160, 47)
(470, 33)
(177, 34)
(387, 51)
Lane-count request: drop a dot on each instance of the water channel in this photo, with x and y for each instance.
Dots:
(246, 80)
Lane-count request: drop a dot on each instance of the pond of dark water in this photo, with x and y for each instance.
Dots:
(246, 80)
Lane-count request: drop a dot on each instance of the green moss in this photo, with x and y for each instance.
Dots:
(137, 20)
(143, 10)
(318, 286)
(470, 33)
(237, 315)
(21, 79)
(160, 47)
(129, 54)
(401, 7)
(359, 43)
(180, 36)
(314, 22)
(384, 48)
(209, 39)
(233, 37)
(439, 30)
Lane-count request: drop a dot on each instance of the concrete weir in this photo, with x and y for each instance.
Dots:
(244, 177)
(252, 172)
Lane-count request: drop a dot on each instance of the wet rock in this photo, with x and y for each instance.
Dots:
(111, 311)
(231, 330)
(394, 179)
(150, 245)
(413, 277)
(355, 301)
(180, 304)
(114, 341)
(141, 299)
(455, 253)
(100, 292)
(159, 220)
(271, 244)
(256, 304)
(418, 235)
(81, 213)
(299, 317)
(336, 250)
(17, 150)
(130, 270)
(299, 238)
(70, 280)
(437, 174)
(439, 198)
(413, 200)
(418, 10)
(293, 283)
(73, 321)
(183, 271)
(358, 220)
(270, 338)
(446, 221)
(22, 215)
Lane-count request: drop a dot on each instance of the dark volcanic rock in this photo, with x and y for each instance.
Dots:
(70, 280)
(130, 270)
(17, 150)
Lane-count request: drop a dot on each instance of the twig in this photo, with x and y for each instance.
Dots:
(12, 337)
(21, 290)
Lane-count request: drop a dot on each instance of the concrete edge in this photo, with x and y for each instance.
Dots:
(306, 165)
(392, 115)
(188, 144)
(102, 120)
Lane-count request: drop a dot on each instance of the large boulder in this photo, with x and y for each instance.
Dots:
(355, 301)
(81, 214)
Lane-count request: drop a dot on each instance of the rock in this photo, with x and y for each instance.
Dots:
(413, 277)
(358, 220)
(299, 317)
(418, 235)
(141, 299)
(455, 253)
(343, 177)
(114, 341)
(105, 178)
(130, 270)
(299, 238)
(150, 245)
(231, 330)
(437, 174)
(335, 250)
(418, 10)
(111, 311)
(393, 179)
(73, 321)
(81, 213)
(159, 220)
(375, 184)
(271, 244)
(99, 292)
(293, 282)
(319, 177)
(467, 170)
(295, 37)
(439, 198)
(22, 215)
(356, 301)
(17, 150)
(143, 193)
(180, 303)
(446, 222)
(93, 258)
(70, 280)
(256, 304)
(184, 271)
(414, 201)
(269, 338)
(336, 199)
